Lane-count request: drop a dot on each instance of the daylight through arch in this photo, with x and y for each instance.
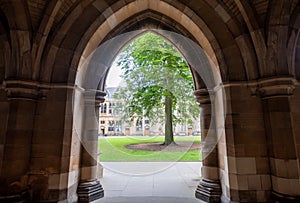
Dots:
(100, 61)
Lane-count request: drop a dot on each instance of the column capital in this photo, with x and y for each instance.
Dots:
(203, 95)
(94, 97)
(20, 89)
(273, 87)
(22, 196)
(285, 198)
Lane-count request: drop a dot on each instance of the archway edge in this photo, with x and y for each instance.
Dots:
(92, 74)
(101, 60)
(139, 6)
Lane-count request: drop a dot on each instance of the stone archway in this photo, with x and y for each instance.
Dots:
(254, 45)
(62, 57)
(94, 74)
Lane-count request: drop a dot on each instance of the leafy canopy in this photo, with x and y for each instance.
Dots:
(153, 70)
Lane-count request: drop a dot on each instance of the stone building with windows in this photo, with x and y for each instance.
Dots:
(54, 56)
(111, 122)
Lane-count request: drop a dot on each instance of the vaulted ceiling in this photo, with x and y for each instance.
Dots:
(246, 39)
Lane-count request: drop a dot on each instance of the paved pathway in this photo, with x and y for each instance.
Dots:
(159, 182)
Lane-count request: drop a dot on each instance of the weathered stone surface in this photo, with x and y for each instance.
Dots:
(253, 133)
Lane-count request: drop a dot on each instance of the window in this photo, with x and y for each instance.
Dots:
(118, 126)
(103, 108)
(111, 108)
(102, 122)
(111, 126)
(139, 125)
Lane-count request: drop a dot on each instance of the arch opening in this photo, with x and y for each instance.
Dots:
(99, 54)
(153, 67)
(93, 78)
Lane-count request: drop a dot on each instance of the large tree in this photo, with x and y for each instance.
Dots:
(158, 81)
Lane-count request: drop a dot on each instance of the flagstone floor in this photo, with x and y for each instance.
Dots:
(159, 182)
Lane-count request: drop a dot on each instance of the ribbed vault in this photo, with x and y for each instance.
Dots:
(223, 28)
(210, 32)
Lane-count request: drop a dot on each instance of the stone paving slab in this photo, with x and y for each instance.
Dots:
(148, 200)
(150, 182)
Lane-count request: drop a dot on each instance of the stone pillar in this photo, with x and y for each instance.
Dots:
(276, 95)
(16, 143)
(243, 157)
(295, 112)
(209, 188)
(89, 188)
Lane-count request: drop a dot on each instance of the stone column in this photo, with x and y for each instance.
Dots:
(209, 188)
(16, 142)
(89, 188)
(276, 95)
(295, 111)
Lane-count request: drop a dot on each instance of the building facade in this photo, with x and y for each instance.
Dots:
(110, 120)
(112, 123)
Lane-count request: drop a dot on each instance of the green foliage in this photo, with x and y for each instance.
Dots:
(153, 70)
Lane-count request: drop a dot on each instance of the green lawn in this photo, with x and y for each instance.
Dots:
(113, 149)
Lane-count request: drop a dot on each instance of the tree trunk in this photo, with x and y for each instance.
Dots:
(169, 139)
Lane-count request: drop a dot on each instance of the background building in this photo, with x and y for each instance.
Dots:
(110, 120)
(112, 123)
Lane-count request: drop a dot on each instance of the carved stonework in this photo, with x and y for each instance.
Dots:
(100, 96)
(203, 96)
(22, 197)
(209, 191)
(89, 191)
(275, 87)
(94, 97)
(285, 198)
(17, 89)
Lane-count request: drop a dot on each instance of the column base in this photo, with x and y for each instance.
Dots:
(89, 191)
(277, 197)
(209, 191)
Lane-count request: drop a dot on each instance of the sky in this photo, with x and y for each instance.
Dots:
(113, 78)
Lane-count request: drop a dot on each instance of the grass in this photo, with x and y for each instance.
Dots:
(113, 149)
